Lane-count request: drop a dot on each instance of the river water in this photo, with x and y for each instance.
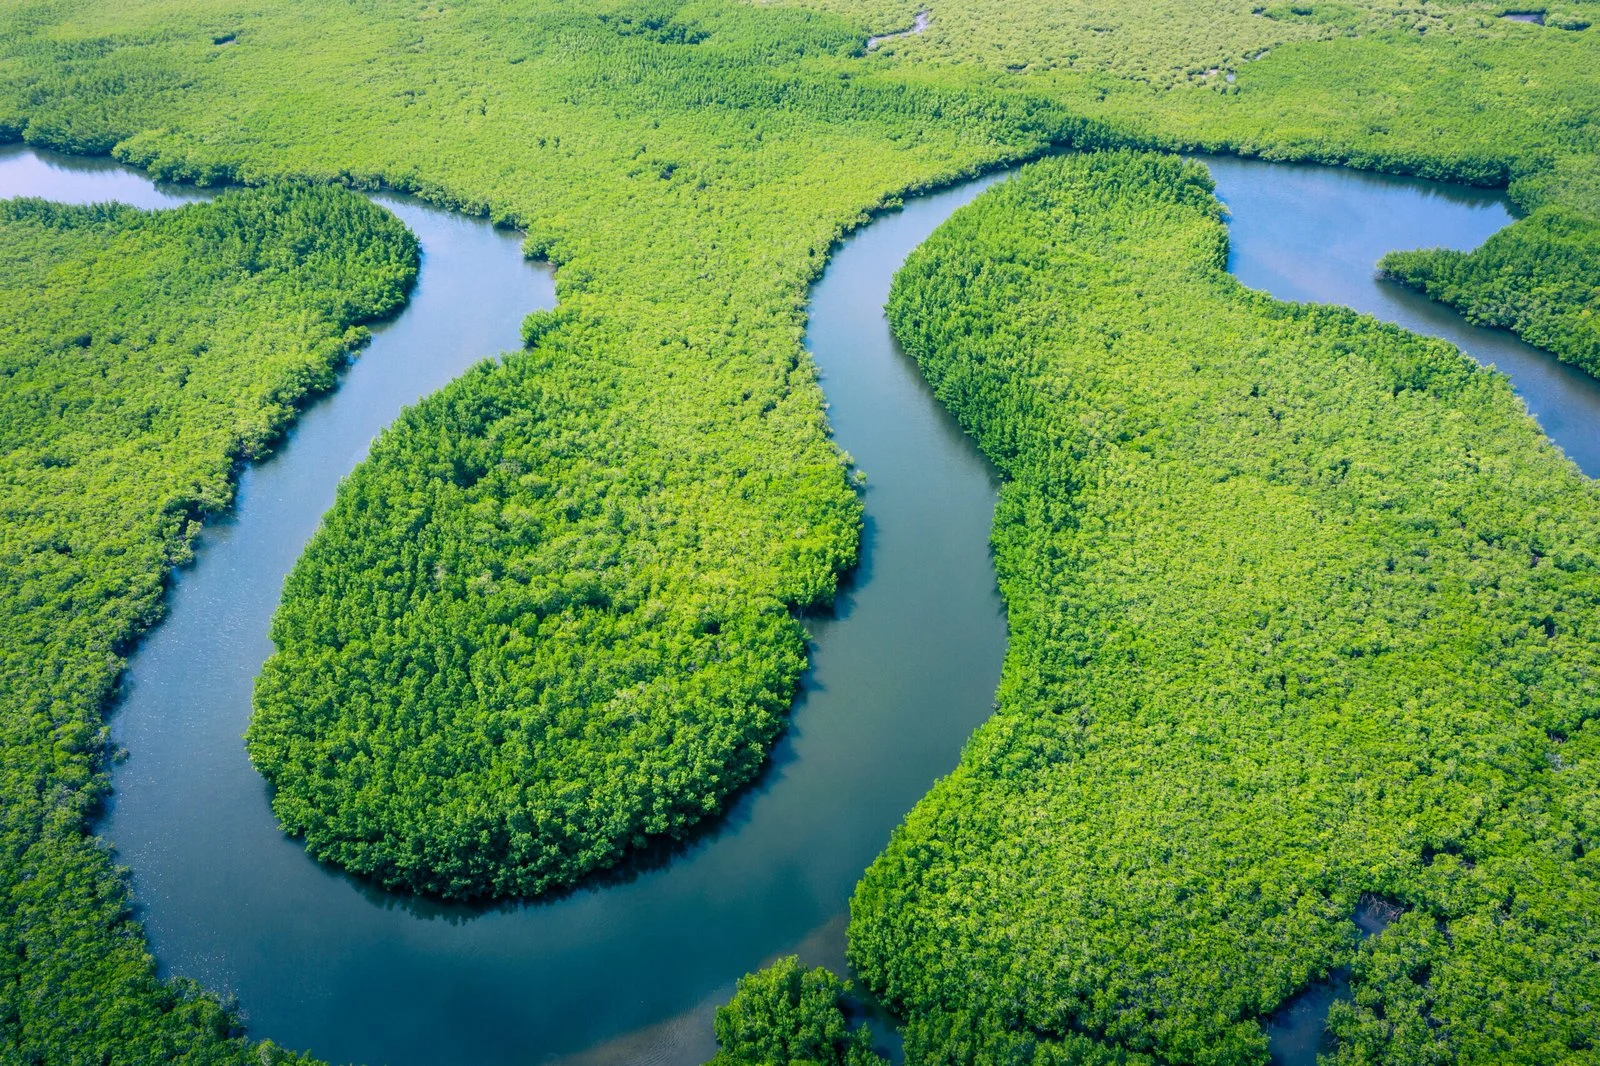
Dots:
(904, 669)
(1313, 233)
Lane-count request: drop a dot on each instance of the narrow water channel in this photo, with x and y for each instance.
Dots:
(629, 971)
(1314, 233)
(902, 673)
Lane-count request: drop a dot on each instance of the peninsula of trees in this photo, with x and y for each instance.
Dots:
(1302, 611)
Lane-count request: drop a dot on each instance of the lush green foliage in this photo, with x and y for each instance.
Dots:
(143, 356)
(787, 1015)
(1439, 89)
(1302, 608)
(688, 170)
(1167, 43)
(658, 465)
(1540, 278)
(551, 617)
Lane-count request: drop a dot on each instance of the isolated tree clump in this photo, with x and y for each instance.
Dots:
(786, 1015)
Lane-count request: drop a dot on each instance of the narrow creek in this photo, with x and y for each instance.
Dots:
(631, 969)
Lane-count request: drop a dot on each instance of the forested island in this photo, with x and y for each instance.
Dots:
(1299, 603)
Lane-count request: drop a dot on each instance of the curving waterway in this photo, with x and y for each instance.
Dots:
(1313, 233)
(630, 970)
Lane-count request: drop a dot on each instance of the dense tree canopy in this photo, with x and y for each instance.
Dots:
(570, 575)
(786, 1015)
(143, 356)
(1302, 609)
(1540, 278)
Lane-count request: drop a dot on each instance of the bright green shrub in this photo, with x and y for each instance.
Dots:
(786, 1015)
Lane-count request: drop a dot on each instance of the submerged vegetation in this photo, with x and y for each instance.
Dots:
(1540, 278)
(1301, 611)
(144, 355)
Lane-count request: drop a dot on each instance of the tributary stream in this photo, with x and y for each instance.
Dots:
(630, 969)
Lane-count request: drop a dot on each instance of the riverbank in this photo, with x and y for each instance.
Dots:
(246, 912)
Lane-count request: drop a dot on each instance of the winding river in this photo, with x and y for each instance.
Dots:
(905, 668)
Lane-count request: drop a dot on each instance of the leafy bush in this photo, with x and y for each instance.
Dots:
(786, 1015)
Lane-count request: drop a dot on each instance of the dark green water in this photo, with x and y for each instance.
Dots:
(630, 970)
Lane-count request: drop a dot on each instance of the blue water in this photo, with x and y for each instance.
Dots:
(630, 970)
